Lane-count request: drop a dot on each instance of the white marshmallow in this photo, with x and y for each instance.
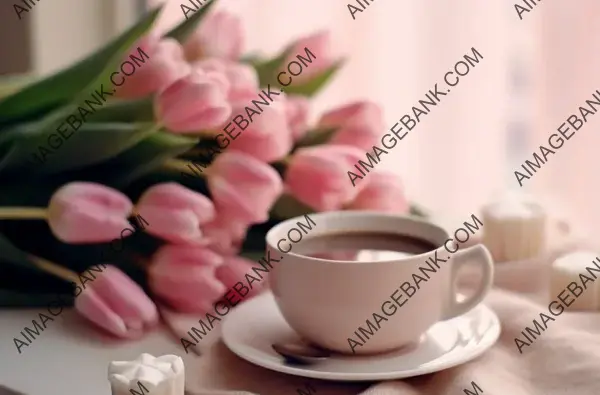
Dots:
(514, 228)
(573, 267)
(164, 375)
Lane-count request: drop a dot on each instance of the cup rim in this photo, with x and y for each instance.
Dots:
(271, 234)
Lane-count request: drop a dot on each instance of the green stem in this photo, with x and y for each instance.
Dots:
(53, 268)
(23, 213)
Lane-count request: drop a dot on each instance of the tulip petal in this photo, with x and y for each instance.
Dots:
(186, 256)
(175, 196)
(220, 35)
(317, 176)
(318, 44)
(84, 223)
(192, 103)
(83, 212)
(162, 63)
(229, 200)
(242, 78)
(174, 225)
(234, 270)
(92, 307)
(125, 297)
(384, 192)
(185, 277)
(101, 195)
(243, 189)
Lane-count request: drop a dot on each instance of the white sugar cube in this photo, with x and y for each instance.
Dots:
(581, 268)
(164, 375)
(514, 228)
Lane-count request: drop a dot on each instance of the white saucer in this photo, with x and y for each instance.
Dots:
(249, 331)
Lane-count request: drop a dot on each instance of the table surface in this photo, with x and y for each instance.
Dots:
(69, 356)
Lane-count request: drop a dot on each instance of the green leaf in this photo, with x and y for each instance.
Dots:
(19, 273)
(251, 59)
(147, 156)
(315, 137)
(39, 132)
(267, 70)
(288, 207)
(91, 144)
(118, 111)
(11, 83)
(186, 28)
(310, 88)
(11, 254)
(60, 88)
(103, 79)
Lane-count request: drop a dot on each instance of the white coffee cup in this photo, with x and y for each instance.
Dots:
(326, 301)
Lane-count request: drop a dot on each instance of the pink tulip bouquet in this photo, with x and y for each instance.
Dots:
(149, 172)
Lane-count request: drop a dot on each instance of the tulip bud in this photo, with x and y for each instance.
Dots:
(193, 103)
(359, 124)
(242, 78)
(117, 304)
(175, 212)
(234, 270)
(317, 176)
(297, 109)
(219, 35)
(267, 136)
(158, 63)
(243, 188)
(185, 276)
(86, 212)
(225, 234)
(383, 192)
(317, 49)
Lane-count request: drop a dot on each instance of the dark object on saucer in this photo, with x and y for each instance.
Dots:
(300, 353)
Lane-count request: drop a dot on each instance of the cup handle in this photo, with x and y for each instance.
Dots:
(479, 254)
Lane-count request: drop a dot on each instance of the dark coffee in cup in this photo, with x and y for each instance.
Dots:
(362, 246)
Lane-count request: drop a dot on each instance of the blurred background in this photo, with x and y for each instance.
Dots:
(535, 72)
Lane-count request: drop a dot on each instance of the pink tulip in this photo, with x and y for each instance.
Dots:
(267, 138)
(383, 192)
(322, 58)
(220, 35)
(225, 234)
(163, 65)
(193, 103)
(243, 188)
(297, 109)
(317, 176)
(243, 79)
(85, 212)
(175, 212)
(184, 276)
(234, 270)
(351, 112)
(359, 124)
(117, 304)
